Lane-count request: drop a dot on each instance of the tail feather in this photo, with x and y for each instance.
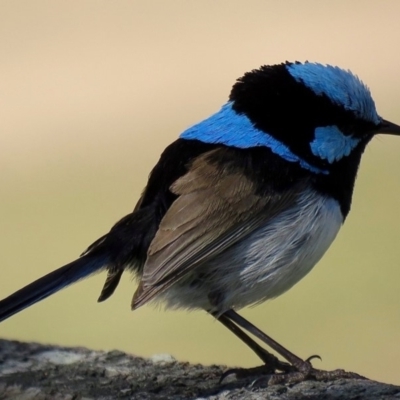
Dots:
(49, 284)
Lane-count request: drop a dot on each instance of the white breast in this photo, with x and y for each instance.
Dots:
(267, 262)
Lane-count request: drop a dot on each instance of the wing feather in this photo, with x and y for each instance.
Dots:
(215, 208)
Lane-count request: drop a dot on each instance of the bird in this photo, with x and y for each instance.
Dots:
(241, 206)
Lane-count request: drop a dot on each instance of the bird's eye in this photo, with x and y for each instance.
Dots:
(358, 128)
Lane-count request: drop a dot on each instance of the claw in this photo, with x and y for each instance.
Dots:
(227, 373)
(313, 357)
(242, 373)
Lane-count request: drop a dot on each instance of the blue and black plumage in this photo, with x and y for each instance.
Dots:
(242, 205)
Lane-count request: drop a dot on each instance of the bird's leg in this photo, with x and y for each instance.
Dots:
(303, 369)
(271, 363)
(297, 362)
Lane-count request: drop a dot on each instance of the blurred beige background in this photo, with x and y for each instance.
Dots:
(90, 94)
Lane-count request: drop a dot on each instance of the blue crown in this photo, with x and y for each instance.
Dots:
(341, 86)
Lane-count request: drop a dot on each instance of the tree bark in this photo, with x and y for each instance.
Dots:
(40, 372)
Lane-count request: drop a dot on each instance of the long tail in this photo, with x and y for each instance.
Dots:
(50, 283)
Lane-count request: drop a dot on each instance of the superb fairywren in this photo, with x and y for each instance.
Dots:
(242, 205)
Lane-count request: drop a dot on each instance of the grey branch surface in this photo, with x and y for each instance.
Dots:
(35, 371)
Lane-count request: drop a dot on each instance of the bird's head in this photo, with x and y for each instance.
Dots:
(309, 113)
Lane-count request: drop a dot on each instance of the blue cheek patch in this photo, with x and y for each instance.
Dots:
(342, 87)
(331, 144)
(232, 129)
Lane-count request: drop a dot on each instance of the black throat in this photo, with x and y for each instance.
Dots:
(339, 183)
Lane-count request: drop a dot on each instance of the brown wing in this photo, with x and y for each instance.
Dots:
(216, 207)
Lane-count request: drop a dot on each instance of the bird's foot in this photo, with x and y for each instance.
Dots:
(271, 366)
(278, 372)
(311, 375)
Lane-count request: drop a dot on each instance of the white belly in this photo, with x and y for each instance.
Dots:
(266, 263)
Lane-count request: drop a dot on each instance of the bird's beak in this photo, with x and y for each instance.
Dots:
(389, 128)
